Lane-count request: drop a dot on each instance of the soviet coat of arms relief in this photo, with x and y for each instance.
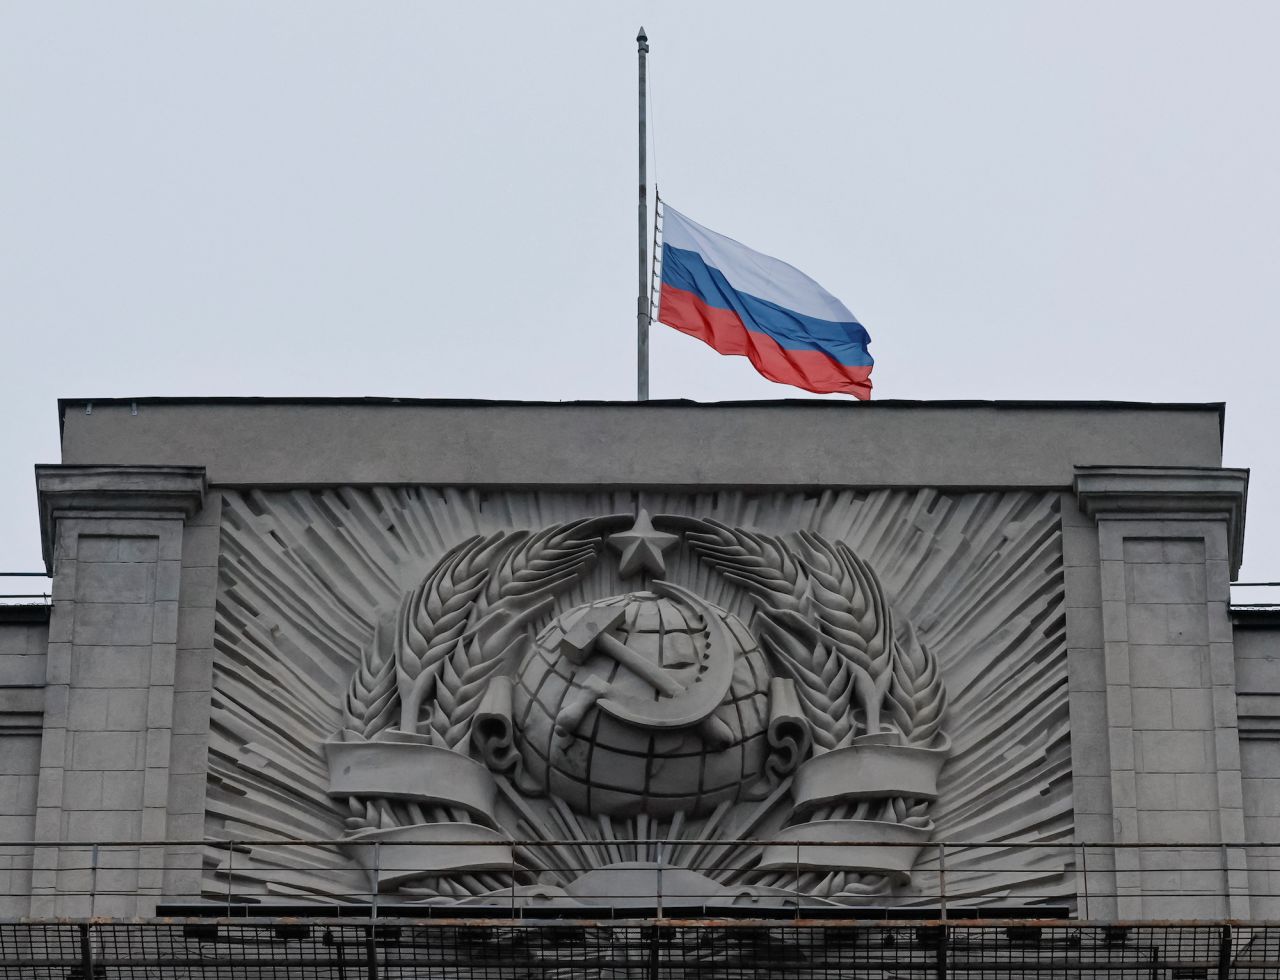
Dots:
(489, 710)
(721, 696)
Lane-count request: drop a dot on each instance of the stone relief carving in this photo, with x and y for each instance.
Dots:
(697, 682)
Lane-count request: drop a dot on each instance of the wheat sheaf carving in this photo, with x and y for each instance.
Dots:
(822, 614)
(461, 623)
(371, 701)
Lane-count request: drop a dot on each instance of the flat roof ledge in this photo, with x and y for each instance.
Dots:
(660, 444)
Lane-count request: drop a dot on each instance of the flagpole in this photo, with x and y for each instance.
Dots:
(642, 297)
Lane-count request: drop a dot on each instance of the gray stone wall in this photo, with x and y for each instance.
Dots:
(1087, 673)
(673, 445)
(1168, 544)
(1257, 652)
(1173, 721)
(116, 545)
(19, 773)
(24, 639)
(24, 636)
(189, 741)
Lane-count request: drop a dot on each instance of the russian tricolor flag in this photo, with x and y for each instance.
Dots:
(742, 302)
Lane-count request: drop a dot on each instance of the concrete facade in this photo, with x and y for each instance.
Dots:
(106, 710)
(668, 445)
(24, 638)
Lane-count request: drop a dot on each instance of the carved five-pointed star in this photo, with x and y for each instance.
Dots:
(642, 547)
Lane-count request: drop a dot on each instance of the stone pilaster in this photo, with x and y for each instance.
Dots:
(113, 541)
(1169, 543)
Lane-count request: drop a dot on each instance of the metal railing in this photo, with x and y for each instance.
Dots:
(25, 595)
(667, 949)
(338, 908)
(610, 878)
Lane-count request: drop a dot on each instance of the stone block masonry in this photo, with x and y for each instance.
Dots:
(117, 536)
(202, 642)
(1167, 542)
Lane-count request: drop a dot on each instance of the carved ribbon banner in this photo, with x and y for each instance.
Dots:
(402, 855)
(869, 846)
(788, 733)
(873, 767)
(404, 769)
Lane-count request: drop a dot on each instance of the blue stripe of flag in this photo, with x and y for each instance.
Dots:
(845, 343)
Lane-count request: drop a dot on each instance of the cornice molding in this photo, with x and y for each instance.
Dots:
(1168, 493)
(114, 491)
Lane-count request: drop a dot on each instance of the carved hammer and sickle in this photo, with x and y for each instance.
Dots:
(679, 707)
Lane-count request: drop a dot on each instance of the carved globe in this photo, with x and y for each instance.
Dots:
(575, 748)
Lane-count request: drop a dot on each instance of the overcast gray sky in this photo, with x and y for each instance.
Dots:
(1020, 200)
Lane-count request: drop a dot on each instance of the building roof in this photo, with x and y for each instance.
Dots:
(659, 444)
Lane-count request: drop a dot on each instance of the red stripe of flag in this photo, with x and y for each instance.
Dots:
(724, 331)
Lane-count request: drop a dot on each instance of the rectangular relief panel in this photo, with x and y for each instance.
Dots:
(730, 697)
